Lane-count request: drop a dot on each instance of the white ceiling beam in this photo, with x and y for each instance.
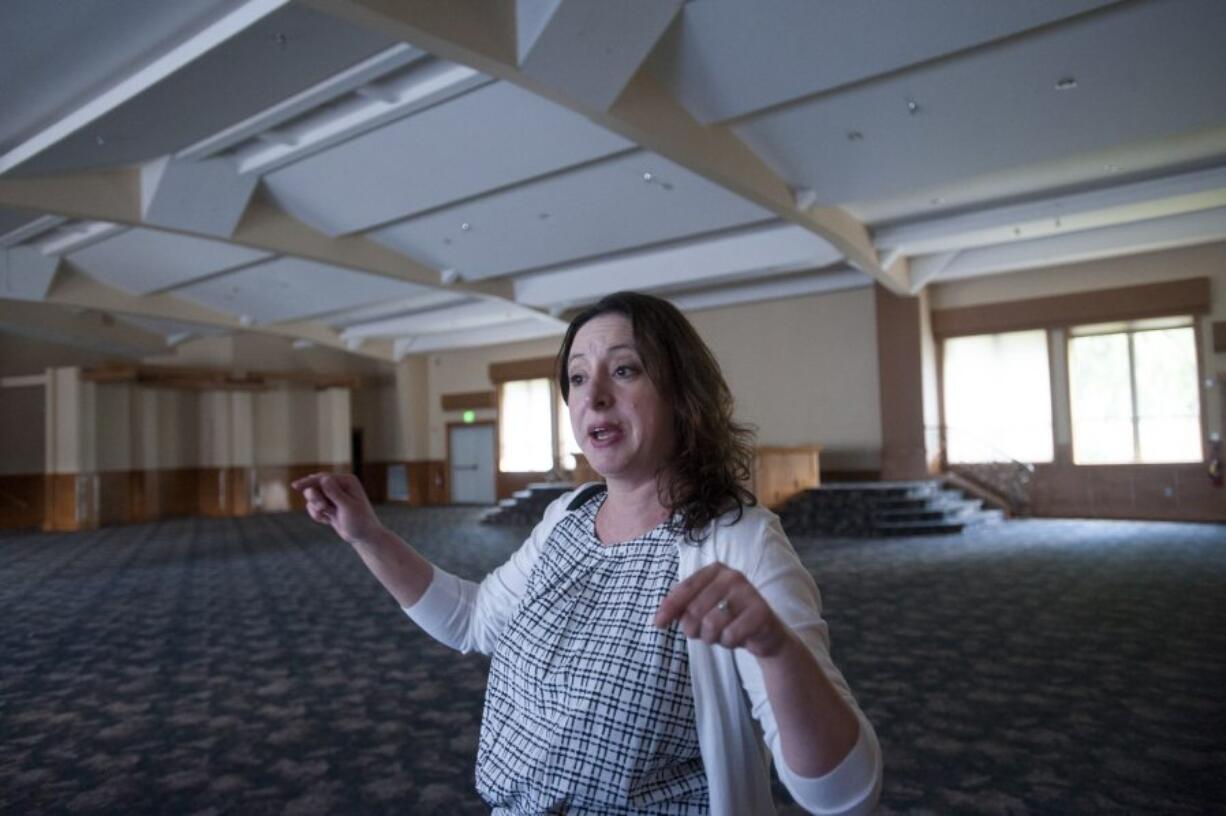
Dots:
(423, 86)
(82, 329)
(1106, 242)
(76, 235)
(773, 248)
(159, 69)
(484, 336)
(205, 196)
(446, 319)
(31, 229)
(337, 85)
(73, 289)
(1187, 192)
(114, 196)
(790, 287)
(927, 268)
(483, 35)
(589, 49)
(379, 311)
(26, 273)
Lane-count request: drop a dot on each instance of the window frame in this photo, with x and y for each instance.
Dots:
(1130, 330)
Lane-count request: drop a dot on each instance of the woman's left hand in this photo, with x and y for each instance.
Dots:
(717, 604)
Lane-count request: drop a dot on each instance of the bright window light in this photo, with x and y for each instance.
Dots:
(525, 426)
(1133, 393)
(997, 396)
(568, 446)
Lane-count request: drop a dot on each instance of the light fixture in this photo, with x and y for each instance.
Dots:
(1066, 84)
(465, 227)
(647, 177)
(912, 107)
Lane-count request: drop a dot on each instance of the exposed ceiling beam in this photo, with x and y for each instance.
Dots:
(114, 196)
(482, 34)
(73, 289)
(1138, 201)
(482, 336)
(83, 329)
(1106, 242)
(789, 287)
(774, 248)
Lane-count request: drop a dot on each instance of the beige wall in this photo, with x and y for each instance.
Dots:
(23, 414)
(113, 403)
(460, 372)
(805, 372)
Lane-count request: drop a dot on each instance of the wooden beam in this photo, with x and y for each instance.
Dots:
(214, 378)
(472, 400)
(522, 370)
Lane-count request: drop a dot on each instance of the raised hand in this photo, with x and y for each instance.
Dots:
(338, 500)
(717, 604)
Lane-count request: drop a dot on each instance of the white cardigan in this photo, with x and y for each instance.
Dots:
(728, 687)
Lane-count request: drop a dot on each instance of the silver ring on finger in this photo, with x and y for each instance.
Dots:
(724, 606)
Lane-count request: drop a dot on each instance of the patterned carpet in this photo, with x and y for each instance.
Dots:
(252, 666)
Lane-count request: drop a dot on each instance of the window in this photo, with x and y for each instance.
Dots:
(568, 447)
(525, 426)
(1133, 392)
(997, 393)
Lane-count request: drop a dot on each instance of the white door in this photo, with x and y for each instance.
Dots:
(472, 464)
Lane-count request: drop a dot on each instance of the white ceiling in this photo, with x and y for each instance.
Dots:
(399, 178)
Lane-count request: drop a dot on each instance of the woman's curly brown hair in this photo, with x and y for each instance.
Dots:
(712, 460)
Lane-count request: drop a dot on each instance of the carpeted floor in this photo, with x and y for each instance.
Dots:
(252, 666)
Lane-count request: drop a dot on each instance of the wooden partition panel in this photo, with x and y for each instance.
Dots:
(22, 503)
(781, 473)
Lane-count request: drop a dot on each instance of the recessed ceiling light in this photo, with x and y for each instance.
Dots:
(854, 136)
(466, 226)
(912, 107)
(1066, 84)
(647, 177)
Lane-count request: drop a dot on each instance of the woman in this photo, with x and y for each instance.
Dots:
(643, 627)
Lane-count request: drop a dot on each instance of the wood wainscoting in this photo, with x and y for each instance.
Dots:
(779, 473)
(22, 500)
(78, 501)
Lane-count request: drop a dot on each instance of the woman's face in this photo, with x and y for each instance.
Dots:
(621, 422)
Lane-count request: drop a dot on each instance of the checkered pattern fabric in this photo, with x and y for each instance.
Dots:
(589, 707)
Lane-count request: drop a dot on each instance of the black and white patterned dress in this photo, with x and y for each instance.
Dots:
(589, 707)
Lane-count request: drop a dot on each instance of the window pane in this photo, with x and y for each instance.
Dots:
(1168, 404)
(569, 447)
(525, 430)
(1100, 395)
(997, 393)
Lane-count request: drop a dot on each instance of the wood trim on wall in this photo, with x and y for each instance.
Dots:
(473, 400)
(522, 370)
(1219, 335)
(21, 500)
(1187, 296)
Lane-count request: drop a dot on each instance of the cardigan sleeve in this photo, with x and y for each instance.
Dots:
(853, 786)
(468, 616)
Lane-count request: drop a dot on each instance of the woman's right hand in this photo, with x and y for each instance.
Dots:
(338, 500)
